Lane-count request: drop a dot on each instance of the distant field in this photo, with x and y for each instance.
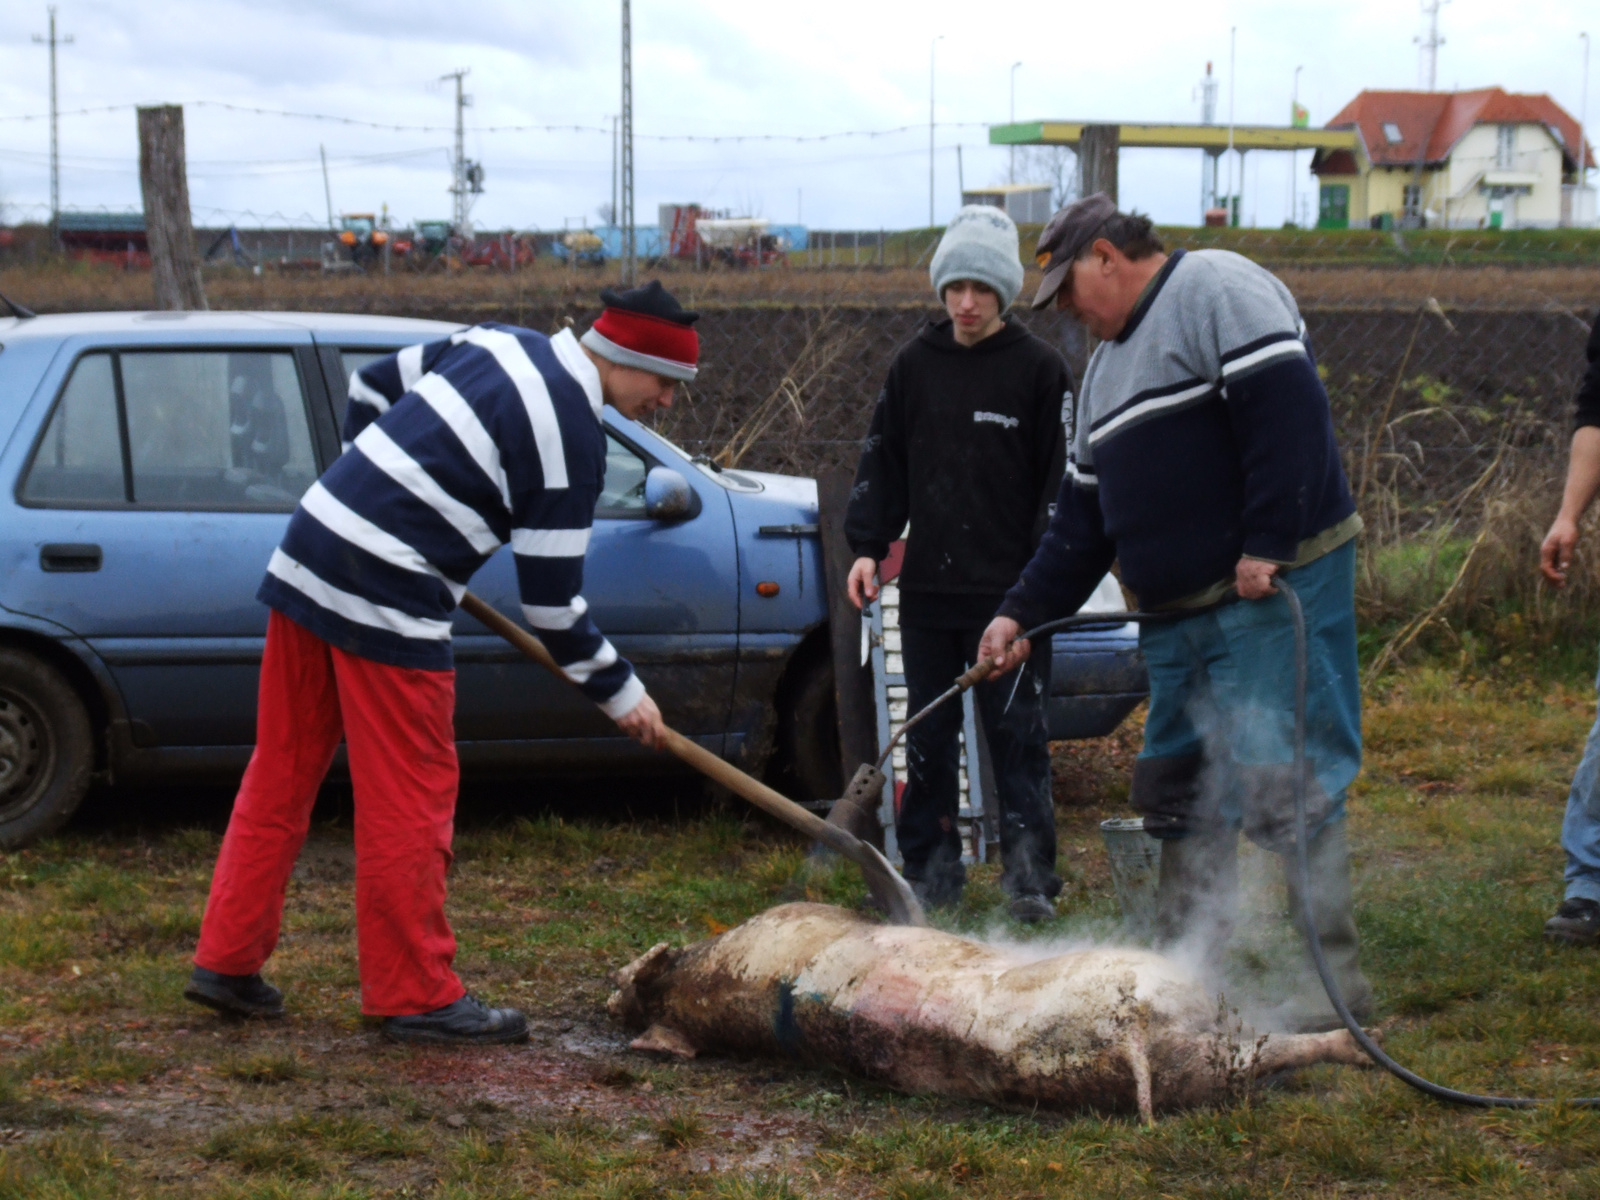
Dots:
(68, 287)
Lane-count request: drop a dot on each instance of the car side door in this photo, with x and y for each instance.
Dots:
(665, 592)
(161, 481)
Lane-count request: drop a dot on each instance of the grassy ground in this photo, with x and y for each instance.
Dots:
(111, 1086)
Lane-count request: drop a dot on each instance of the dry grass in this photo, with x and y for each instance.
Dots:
(81, 287)
(111, 1086)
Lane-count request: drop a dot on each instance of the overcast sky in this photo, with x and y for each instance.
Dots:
(705, 67)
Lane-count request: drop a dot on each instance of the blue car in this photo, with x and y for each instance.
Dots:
(149, 464)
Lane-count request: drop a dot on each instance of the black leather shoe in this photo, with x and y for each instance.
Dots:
(238, 995)
(467, 1022)
(1577, 922)
(1032, 908)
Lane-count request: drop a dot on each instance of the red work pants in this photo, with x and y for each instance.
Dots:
(399, 724)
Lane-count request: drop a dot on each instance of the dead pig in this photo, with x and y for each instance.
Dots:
(925, 1011)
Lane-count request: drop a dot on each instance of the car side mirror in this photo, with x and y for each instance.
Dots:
(667, 495)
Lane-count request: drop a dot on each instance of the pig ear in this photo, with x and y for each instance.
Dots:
(628, 1003)
(663, 1039)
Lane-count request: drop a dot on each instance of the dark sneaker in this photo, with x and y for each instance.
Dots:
(1577, 922)
(237, 995)
(467, 1022)
(1032, 908)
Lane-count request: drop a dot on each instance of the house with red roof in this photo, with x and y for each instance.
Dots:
(1485, 158)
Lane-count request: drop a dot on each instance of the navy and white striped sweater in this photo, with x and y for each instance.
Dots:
(453, 449)
(1202, 434)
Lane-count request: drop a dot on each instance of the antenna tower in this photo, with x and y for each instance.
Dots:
(52, 40)
(626, 219)
(1428, 68)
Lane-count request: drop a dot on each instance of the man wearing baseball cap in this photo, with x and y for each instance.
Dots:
(966, 444)
(452, 450)
(1201, 457)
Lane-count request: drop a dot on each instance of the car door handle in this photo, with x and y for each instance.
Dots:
(69, 556)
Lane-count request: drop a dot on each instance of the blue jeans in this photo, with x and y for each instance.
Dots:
(1580, 830)
(1219, 739)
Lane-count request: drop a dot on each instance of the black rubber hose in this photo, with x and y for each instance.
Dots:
(1302, 862)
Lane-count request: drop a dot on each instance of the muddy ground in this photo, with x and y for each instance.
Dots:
(112, 1086)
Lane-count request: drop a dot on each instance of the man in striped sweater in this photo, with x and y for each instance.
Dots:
(1201, 457)
(452, 450)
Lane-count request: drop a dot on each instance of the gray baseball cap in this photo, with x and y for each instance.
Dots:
(1064, 238)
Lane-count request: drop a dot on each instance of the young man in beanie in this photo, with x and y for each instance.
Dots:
(1203, 459)
(452, 450)
(966, 443)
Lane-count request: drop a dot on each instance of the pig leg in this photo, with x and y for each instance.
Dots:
(1289, 1052)
(663, 1039)
(1139, 1062)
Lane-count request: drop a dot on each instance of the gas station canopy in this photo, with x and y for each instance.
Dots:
(1214, 138)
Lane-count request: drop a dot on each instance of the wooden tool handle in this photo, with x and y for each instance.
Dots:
(697, 756)
(768, 801)
(511, 631)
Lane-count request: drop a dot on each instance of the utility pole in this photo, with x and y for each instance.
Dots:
(327, 188)
(931, 46)
(53, 40)
(1430, 44)
(616, 217)
(164, 184)
(629, 260)
(458, 177)
(1294, 155)
(1011, 169)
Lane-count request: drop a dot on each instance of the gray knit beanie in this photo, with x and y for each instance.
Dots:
(980, 243)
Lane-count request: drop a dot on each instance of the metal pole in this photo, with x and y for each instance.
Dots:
(931, 46)
(1233, 44)
(1294, 155)
(1583, 124)
(629, 263)
(1011, 168)
(615, 216)
(458, 173)
(52, 40)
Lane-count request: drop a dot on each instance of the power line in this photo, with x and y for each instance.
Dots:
(361, 123)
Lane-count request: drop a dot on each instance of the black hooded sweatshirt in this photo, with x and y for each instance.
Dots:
(966, 443)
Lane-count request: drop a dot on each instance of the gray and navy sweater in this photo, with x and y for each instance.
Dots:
(453, 449)
(1201, 434)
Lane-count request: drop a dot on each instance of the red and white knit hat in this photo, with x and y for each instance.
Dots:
(646, 328)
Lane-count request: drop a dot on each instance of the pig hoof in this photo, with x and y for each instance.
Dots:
(663, 1039)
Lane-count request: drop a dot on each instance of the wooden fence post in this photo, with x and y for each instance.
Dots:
(164, 181)
(1097, 159)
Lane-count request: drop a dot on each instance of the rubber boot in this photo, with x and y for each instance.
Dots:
(1197, 892)
(1333, 915)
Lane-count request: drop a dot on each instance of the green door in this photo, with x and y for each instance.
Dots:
(1333, 209)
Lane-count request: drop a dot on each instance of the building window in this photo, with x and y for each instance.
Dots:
(1505, 147)
(1391, 132)
(1412, 201)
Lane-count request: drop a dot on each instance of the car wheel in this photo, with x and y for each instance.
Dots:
(808, 733)
(46, 750)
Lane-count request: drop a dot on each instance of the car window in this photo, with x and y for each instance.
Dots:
(350, 362)
(623, 493)
(199, 429)
(79, 460)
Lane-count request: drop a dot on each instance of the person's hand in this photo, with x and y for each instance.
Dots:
(1555, 554)
(1253, 578)
(862, 585)
(643, 723)
(1001, 646)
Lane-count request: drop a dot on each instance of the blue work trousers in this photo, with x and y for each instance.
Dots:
(1219, 738)
(1580, 830)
